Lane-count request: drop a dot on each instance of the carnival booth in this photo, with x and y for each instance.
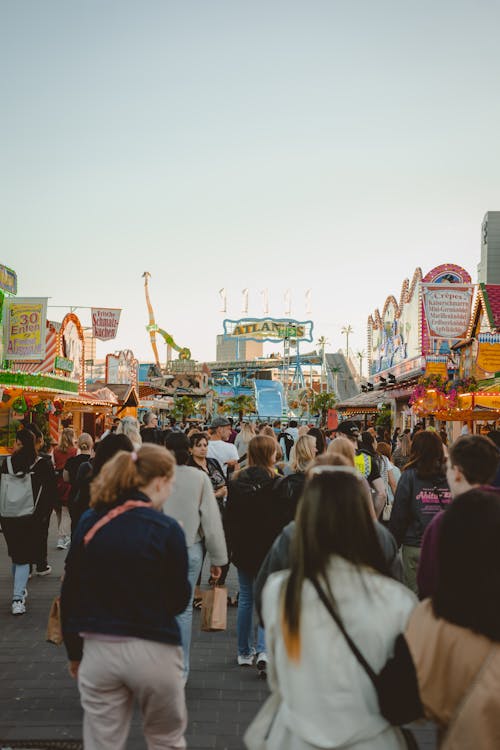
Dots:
(42, 379)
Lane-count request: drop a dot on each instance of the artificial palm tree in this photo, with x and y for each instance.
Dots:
(243, 404)
(346, 331)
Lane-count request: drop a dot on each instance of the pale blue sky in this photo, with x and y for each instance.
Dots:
(326, 145)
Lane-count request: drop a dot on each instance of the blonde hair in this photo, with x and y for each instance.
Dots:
(247, 431)
(304, 452)
(261, 452)
(342, 446)
(67, 439)
(85, 442)
(127, 471)
(129, 426)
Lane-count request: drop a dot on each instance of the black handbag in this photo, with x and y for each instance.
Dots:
(396, 685)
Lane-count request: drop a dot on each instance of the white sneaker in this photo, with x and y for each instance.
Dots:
(18, 607)
(45, 572)
(60, 543)
(245, 661)
(261, 661)
(67, 542)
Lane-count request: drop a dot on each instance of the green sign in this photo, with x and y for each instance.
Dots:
(64, 364)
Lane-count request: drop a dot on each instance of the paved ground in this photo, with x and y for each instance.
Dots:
(38, 700)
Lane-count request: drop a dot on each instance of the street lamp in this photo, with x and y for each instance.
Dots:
(346, 330)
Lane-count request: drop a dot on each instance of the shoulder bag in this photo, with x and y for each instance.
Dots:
(396, 685)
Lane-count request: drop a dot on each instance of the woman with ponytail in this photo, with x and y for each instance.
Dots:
(327, 698)
(125, 582)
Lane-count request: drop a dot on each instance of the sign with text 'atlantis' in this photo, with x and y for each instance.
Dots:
(24, 328)
(105, 322)
(447, 309)
(269, 329)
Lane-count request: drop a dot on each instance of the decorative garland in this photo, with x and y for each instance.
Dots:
(451, 389)
(38, 380)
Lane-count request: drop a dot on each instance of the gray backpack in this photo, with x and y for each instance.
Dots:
(16, 492)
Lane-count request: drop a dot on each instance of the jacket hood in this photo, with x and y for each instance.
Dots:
(252, 478)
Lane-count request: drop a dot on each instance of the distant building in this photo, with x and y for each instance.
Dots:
(488, 270)
(234, 348)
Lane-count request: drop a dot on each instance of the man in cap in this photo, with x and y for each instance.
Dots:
(218, 447)
(364, 464)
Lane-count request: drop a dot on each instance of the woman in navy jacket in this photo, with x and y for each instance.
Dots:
(126, 580)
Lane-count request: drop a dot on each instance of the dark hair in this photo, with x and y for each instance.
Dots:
(178, 443)
(495, 436)
(34, 428)
(26, 456)
(109, 447)
(476, 456)
(317, 434)
(368, 441)
(427, 455)
(332, 519)
(196, 438)
(292, 423)
(468, 587)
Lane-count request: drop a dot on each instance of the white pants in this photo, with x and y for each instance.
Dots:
(112, 674)
(63, 522)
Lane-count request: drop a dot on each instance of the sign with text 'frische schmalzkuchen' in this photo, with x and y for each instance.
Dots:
(269, 329)
(105, 322)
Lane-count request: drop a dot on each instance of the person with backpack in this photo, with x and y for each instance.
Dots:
(27, 490)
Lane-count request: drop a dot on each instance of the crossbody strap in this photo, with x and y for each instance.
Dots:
(355, 650)
(114, 513)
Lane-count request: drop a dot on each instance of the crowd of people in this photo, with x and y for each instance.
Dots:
(358, 554)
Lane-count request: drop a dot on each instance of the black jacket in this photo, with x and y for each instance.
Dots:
(130, 580)
(416, 502)
(253, 517)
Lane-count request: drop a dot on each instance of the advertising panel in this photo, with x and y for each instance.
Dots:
(8, 280)
(105, 322)
(488, 352)
(25, 321)
(447, 309)
(269, 329)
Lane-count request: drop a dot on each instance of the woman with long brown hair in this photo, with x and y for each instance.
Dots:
(422, 492)
(327, 699)
(252, 523)
(125, 581)
(62, 452)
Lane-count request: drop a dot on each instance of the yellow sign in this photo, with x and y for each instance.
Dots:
(488, 357)
(436, 368)
(24, 328)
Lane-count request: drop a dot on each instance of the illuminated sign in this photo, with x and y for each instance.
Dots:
(269, 329)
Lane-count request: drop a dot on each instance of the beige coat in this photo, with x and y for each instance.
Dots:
(459, 679)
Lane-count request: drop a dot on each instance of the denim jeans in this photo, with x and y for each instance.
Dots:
(21, 575)
(244, 620)
(185, 619)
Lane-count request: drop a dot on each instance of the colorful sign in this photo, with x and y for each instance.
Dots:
(71, 346)
(8, 280)
(447, 309)
(437, 366)
(488, 352)
(269, 329)
(25, 322)
(105, 322)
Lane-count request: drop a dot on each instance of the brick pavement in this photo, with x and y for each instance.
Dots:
(38, 700)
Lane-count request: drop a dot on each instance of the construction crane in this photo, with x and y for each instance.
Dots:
(153, 329)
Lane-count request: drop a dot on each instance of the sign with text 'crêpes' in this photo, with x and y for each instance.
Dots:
(447, 309)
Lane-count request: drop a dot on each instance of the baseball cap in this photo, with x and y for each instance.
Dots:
(220, 422)
(349, 427)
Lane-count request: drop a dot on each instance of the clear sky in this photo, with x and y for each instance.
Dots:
(227, 143)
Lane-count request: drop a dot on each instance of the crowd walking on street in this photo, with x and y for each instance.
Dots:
(368, 575)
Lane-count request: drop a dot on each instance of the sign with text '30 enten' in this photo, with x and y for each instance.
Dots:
(105, 322)
(24, 328)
